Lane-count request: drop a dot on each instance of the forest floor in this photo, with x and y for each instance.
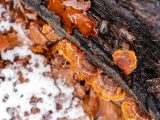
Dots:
(36, 82)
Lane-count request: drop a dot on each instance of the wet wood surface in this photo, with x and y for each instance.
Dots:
(135, 23)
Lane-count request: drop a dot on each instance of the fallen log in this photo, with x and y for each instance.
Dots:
(135, 23)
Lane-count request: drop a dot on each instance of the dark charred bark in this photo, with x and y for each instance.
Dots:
(134, 22)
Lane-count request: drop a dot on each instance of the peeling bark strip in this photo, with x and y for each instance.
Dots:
(135, 23)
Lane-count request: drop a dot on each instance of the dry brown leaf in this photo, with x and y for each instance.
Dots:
(37, 49)
(31, 16)
(36, 35)
(7, 42)
(90, 106)
(108, 111)
(21, 78)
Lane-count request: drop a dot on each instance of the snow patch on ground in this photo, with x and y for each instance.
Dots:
(39, 86)
(41, 97)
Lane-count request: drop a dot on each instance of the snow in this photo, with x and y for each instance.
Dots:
(4, 24)
(21, 32)
(38, 85)
(2, 10)
(15, 96)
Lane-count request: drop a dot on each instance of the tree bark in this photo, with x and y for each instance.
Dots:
(134, 22)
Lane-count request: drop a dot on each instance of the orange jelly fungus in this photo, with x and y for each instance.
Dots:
(125, 60)
(76, 58)
(72, 17)
(105, 87)
(131, 111)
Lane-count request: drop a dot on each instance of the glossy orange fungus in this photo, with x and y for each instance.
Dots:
(105, 87)
(132, 111)
(125, 60)
(72, 17)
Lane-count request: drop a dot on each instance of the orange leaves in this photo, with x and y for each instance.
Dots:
(41, 36)
(132, 111)
(36, 35)
(125, 60)
(7, 42)
(91, 105)
(72, 17)
(109, 110)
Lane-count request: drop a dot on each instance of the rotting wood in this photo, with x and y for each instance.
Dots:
(126, 24)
